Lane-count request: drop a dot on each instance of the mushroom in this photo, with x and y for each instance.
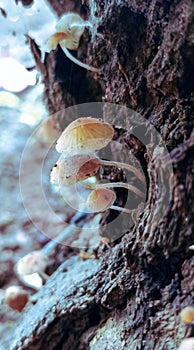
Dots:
(32, 266)
(16, 298)
(70, 170)
(84, 135)
(69, 30)
(101, 199)
(187, 314)
(34, 262)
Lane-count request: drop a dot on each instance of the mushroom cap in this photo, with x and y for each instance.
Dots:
(33, 262)
(70, 170)
(16, 298)
(187, 314)
(71, 23)
(84, 135)
(100, 199)
(69, 30)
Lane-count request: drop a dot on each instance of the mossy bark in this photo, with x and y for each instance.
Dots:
(130, 298)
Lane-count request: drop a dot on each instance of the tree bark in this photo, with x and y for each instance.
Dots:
(131, 295)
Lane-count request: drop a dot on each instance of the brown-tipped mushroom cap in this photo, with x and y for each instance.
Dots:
(84, 135)
(100, 199)
(70, 170)
(34, 262)
(16, 298)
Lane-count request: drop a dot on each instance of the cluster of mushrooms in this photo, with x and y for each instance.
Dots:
(78, 162)
(30, 270)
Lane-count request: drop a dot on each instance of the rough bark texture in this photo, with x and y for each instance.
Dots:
(131, 296)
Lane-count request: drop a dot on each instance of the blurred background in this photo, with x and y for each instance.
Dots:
(22, 110)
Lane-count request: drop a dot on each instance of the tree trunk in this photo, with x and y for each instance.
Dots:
(129, 297)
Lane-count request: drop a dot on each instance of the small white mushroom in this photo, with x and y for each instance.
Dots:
(34, 262)
(38, 260)
(69, 30)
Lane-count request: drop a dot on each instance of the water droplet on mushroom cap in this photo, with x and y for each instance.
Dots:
(84, 135)
(70, 170)
(100, 199)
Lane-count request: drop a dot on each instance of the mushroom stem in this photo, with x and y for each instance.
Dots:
(50, 246)
(76, 61)
(116, 184)
(124, 166)
(124, 210)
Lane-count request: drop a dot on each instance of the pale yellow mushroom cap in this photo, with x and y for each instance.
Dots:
(34, 262)
(187, 314)
(100, 199)
(187, 344)
(16, 298)
(84, 135)
(70, 170)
